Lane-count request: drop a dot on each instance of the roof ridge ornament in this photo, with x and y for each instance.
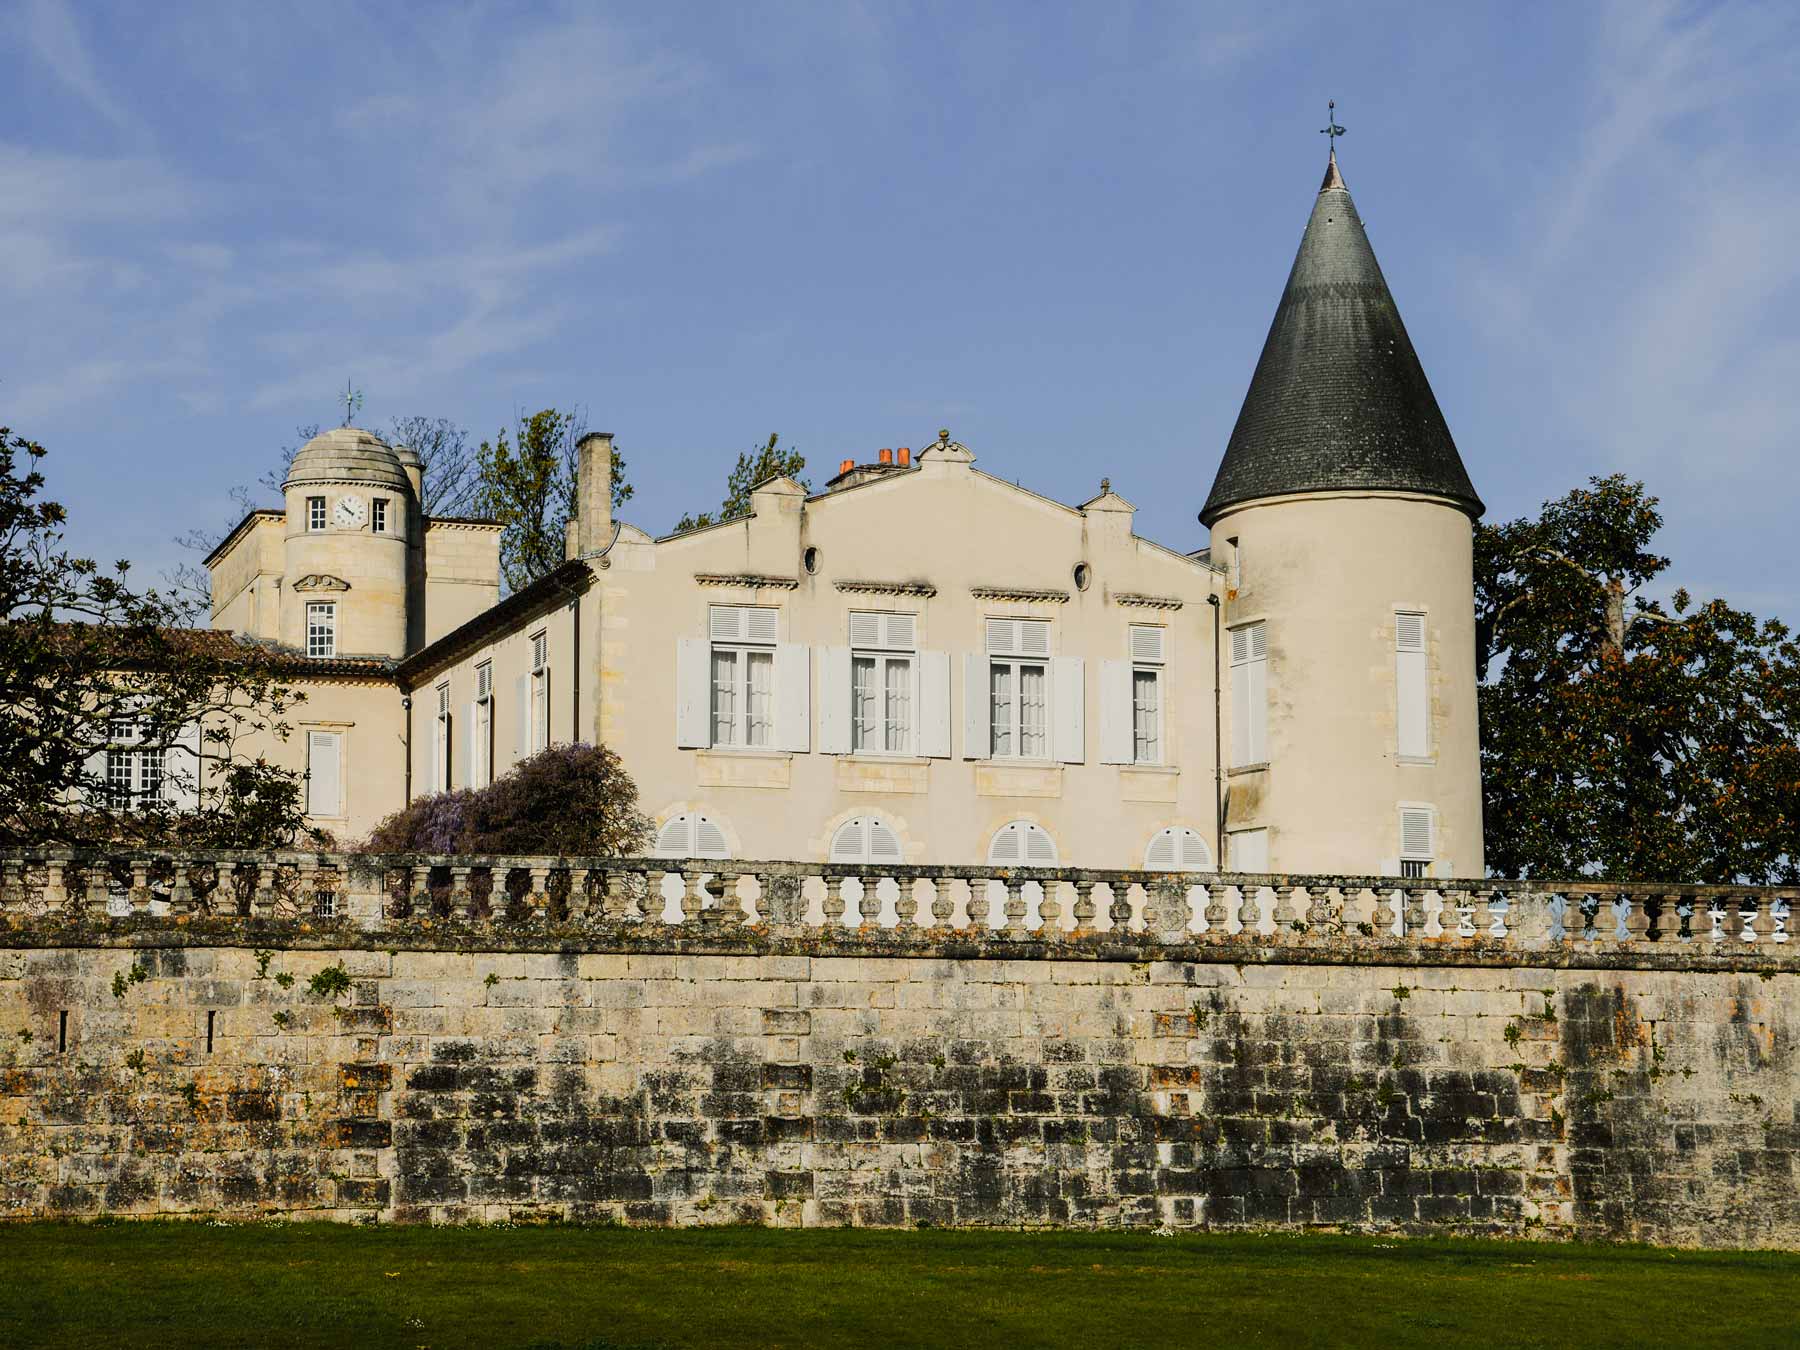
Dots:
(1331, 131)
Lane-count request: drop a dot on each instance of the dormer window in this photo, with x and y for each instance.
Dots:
(315, 513)
(378, 513)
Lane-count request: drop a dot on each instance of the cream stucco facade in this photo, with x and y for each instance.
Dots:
(926, 663)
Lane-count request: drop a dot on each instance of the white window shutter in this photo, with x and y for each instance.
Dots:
(693, 693)
(1415, 832)
(934, 705)
(676, 838)
(865, 628)
(1411, 689)
(1160, 856)
(1040, 848)
(1068, 690)
(709, 839)
(1259, 712)
(1007, 848)
(465, 749)
(884, 844)
(181, 770)
(976, 735)
(1249, 850)
(834, 700)
(793, 696)
(522, 723)
(1240, 713)
(848, 845)
(1115, 712)
(323, 791)
(1147, 644)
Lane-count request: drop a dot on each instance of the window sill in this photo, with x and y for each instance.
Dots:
(877, 757)
(1247, 768)
(1418, 761)
(743, 752)
(1168, 770)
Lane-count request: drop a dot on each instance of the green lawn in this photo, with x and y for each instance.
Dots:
(197, 1285)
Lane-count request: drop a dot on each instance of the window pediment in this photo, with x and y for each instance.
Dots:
(320, 581)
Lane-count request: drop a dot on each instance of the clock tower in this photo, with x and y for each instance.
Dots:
(350, 514)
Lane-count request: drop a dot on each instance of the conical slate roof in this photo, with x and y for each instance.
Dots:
(1339, 400)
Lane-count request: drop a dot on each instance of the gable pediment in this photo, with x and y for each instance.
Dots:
(320, 581)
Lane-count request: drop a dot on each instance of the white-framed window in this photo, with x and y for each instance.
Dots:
(1249, 695)
(1021, 843)
(325, 774)
(691, 835)
(1147, 653)
(540, 691)
(440, 740)
(743, 674)
(1177, 849)
(321, 627)
(866, 839)
(1018, 688)
(481, 767)
(1418, 839)
(1248, 850)
(378, 515)
(1412, 693)
(882, 682)
(134, 771)
(315, 513)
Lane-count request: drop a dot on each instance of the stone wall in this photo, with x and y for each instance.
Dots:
(818, 1080)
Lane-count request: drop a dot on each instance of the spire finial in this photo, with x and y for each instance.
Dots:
(352, 403)
(1331, 129)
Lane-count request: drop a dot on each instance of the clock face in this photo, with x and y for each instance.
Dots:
(351, 512)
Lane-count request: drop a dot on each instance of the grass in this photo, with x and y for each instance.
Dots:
(197, 1285)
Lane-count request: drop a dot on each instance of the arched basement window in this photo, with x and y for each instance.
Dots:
(691, 835)
(1022, 844)
(1178, 849)
(866, 839)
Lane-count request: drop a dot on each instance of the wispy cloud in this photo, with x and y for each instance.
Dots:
(50, 32)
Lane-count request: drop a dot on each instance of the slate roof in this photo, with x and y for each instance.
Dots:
(1339, 400)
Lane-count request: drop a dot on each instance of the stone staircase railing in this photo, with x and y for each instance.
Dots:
(881, 904)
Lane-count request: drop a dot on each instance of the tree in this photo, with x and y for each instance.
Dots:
(447, 481)
(118, 721)
(754, 468)
(569, 799)
(1620, 738)
(527, 483)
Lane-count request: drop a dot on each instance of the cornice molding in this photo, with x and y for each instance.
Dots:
(747, 580)
(923, 588)
(1147, 601)
(1020, 594)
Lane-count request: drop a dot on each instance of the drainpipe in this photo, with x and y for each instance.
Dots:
(1218, 750)
(406, 740)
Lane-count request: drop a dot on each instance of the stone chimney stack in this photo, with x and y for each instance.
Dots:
(593, 492)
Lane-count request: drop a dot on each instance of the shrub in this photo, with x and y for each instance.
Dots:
(569, 799)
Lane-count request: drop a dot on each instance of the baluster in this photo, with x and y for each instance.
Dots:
(99, 888)
(56, 891)
(731, 904)
(1119, 909)
(1464, 908)
(1715, 911)
(1653, 911)
(1015, 907)
(1779, 909)
(537, 896)
(263, 903)
(906, 905)
(1497, 904)
(306, 887)
(613, 904)
(578, 904)
(1747, 911)
(1323, 918)
(1050, 911)
(1413, 902)
(692, 902)
(943, 903)
(1212, 909)
(462, 894)
(978, 905)
(181, 888)
(653, 902)
(1286, 912)
(834, 902)
(868, 904)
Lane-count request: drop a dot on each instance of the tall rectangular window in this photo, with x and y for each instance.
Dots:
(1146, 694)
(743, 675)
(482, 769)
(1411, 686)
(321, 628)
(134, 771)
(315, 513)
(881, 682)
(1249, 695)
(1018, 688)
(378, 510)
(540, 691)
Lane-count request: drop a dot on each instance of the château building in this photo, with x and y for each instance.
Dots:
(922, 662)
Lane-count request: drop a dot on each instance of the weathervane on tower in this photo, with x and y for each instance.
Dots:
(1331, 129)
(352, 403)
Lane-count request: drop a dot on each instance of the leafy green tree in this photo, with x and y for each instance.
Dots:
(95, 676)
(754, 468)
(527, 483)
(1621, 738)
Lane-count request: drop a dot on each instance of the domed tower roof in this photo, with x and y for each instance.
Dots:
(1339, 401)
(347, 455)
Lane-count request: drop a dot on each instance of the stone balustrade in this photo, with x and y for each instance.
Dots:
(738, 902)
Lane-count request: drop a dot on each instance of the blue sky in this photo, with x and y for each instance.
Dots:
(1060, 231)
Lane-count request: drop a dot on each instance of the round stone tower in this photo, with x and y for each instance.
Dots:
(1344, 518)
(350, 518)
